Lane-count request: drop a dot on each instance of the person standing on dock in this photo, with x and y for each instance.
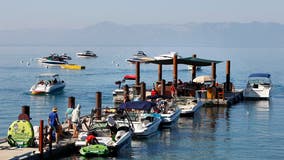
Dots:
(76, 120)
(54, 123)
(173, 91)
(68, 114)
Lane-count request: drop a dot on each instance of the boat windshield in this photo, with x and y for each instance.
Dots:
(259, 81)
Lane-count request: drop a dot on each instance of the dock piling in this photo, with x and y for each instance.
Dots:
(71, 102)
(137, 73)
(41, 137)
(175, 70)
(143, 91)
(98, 105)
(228, 67)
(193, 74)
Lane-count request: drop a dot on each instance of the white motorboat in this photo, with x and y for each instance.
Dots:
(258, 86)
(65, 56)
(107, 133)
(53, 60)
(169, 113)
(47, 83)
(118, 94)
(86, 54)
(170, 55)
(139, 57)
(188, 105)
(143, 122)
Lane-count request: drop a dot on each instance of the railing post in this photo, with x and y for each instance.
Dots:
(50, 139)
(98, 105)
(40, 146)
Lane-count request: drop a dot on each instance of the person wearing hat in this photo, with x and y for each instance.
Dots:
(54, 123)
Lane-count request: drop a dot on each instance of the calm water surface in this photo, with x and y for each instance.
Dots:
(248, 130)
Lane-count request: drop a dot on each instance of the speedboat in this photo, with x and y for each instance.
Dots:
(170, 55)
(86, 54)
(118, 94)
(167, 56)
(169, 113)
(65, 56)
(139, 57)
(53, 59)
(47, 83)
(188, 105)
(258, 86)
(143, 122)
(111, 138)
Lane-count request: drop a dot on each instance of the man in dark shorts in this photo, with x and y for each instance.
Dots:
(54, 123)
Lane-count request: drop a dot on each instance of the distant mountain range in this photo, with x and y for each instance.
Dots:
(254, 34)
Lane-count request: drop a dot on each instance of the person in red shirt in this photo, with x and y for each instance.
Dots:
(154, 92)
(91, 138)
(173, 91)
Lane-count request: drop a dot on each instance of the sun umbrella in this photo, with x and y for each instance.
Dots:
(203, 79)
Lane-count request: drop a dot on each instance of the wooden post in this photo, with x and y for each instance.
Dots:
(71, 102)
(137, 73)
(26, 110)
(40, 146)
(163, 87)
(50, 140)
(143, 91)
(98, 105)
(213, 64)
(175, 68)
(160, 72)
(228, 67)
(193, 70)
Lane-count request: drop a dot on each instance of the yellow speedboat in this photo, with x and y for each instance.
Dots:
(72, 66)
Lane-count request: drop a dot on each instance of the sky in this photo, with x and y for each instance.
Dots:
(70, 14)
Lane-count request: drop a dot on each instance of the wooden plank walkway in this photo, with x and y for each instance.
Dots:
(229, 99)
(66, 143)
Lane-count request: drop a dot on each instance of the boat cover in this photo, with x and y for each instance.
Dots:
(266, 75)
(129, 77)
(139, 105)
(187, 60)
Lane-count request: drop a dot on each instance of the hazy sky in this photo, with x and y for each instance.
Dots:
(15, 14)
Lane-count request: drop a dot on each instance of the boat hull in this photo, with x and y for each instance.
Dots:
(168, 120)
(258, 86)
(38, 89)
(263, 93)
(189, 110)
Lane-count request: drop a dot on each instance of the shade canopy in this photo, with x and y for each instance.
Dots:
(187, 60)
(266, 75)
(139, 105)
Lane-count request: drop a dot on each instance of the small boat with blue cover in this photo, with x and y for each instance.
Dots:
(144, 123)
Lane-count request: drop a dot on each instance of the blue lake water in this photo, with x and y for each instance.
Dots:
(247, 130)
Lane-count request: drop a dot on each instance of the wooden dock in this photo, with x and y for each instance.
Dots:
(50, 151)
(229, 98)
